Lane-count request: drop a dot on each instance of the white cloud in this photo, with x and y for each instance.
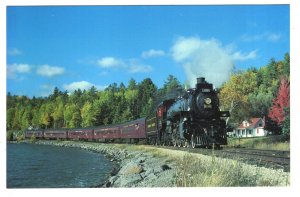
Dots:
(110, 62)
(14, 69)
(273, 37)
(138, 68)
(268, 36)
(50, 71)
(14, 52)
(82, 85)
(238, 56)
(21, 68)
(130, 66)
(206, 58)
(153, 53)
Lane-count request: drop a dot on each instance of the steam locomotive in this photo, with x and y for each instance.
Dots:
(192, 119)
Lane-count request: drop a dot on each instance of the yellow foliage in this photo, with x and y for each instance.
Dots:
(237, 89)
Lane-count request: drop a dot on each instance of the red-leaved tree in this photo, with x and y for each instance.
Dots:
(282, 101)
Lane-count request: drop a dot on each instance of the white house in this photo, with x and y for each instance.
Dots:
(250, 128)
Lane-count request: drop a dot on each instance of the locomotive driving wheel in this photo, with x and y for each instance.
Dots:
(193, 141)
(175, 137)
(186, 144)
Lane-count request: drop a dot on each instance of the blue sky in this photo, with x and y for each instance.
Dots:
(79, 46)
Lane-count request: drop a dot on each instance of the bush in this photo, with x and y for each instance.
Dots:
(32, 138)
(9, 135)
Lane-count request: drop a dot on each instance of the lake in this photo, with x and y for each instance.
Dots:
(44, 166)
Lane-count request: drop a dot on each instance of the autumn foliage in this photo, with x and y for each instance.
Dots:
(278, 113)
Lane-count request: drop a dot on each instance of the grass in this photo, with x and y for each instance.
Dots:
(226, 173)
(268, 142)
(196, 170)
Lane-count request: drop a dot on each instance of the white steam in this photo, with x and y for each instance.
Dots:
(203, 58)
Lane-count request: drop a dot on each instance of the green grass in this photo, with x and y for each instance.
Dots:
(268, 142)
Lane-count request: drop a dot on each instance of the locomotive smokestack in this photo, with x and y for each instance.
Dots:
(201, 83)
(200, 80)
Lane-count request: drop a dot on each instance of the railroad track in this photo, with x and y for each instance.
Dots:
(265, 158)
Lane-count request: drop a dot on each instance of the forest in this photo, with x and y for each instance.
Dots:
(262, 92)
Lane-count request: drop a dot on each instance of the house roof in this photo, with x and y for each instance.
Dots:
(253, 123)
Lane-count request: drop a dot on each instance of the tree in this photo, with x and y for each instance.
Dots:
(87, 115)
(286, 123)
(17, 119)
(58, 114)
(55, 94)
(172, 84)
(46, 118)
(72, 115)
(234, 94)
(171, 89)
(132, 84)
(286, 65)
(26, 118)
(131, 96)
(277, 112)
(9, 118)
(260, 103)
(146, 90)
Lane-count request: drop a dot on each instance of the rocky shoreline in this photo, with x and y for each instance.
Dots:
(135, 168)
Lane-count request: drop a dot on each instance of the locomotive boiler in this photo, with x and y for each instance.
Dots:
(193, 118)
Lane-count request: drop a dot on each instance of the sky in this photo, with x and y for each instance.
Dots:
(73, 47)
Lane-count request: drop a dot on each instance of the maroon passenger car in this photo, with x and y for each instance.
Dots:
(134, 129)
(81, 133)
(107, 132)
(35, 133)
(56, 134)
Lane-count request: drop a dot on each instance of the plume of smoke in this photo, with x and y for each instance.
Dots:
(205, 58)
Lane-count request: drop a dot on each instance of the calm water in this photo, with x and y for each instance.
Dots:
(42, 166)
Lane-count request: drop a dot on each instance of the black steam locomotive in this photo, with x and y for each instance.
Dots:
(191, 119)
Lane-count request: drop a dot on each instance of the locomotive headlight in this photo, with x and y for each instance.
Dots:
(207, 101)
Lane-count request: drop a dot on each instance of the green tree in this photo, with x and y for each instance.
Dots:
(26, 118)
(260, 103)
(72, 115)
(10, 118)
(58, 114)
(146, 90)
(87, 115)
(132, 84)
(16, 120)
(286, 123)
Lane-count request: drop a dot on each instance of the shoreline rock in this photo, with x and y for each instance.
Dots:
(134, 168)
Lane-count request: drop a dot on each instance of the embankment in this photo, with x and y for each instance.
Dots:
(146, 166)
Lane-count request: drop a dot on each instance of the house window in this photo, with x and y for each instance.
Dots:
(250, 132)
(257, 131)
